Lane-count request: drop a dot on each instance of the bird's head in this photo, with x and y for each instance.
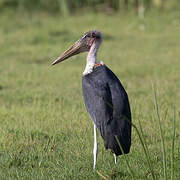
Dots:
(82, 45)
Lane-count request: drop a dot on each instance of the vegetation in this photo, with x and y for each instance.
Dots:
(46, 132)
(108, 6)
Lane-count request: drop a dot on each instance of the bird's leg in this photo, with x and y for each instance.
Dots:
(95, 150)
(115, 158)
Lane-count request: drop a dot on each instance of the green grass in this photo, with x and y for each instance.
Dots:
(45, 131)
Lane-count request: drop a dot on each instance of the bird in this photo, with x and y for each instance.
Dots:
(105, 98)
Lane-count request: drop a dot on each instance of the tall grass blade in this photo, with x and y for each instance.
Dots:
(142, 135)
(145, 152)
(129, 168)
(145, 144)
(161, 133)
(172, 148)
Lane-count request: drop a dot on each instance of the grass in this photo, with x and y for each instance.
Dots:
(46, 132)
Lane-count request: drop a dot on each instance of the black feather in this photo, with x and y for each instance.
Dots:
(107, 103)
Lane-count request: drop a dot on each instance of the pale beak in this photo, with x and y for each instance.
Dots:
(77, 48)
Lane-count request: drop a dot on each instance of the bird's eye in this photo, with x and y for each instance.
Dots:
(93, 35)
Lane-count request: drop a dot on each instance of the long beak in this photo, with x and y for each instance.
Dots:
(73, 50)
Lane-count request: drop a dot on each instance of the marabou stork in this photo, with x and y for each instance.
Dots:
(105, 98)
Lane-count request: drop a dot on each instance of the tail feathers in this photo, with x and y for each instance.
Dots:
(113, 132)
(110, 142)
(116, 129)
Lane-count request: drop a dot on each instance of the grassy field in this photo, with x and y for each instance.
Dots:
(45, 131)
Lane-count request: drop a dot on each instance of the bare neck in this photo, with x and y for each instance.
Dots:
(91, 58)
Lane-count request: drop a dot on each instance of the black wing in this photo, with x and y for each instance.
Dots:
(107, 103)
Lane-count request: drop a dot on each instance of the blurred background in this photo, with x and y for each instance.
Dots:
(74, 6)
